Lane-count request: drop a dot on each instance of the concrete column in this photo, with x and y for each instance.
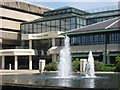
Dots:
(104, 57)
(3, 62)
(30, 44)
(83, 63)
(30, 62)
(16, 63)
(108, 59)
(53, 42)
(54, 57)
(10, 66)
(41, 65)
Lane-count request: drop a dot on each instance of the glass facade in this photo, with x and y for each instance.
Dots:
(63, 19)
(66, 19)
(62, 24)
(88, 39)
(95, 39)
(101, 16)
(98, 19)
(114, 37)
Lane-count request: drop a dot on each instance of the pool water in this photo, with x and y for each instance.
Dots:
(107, 81)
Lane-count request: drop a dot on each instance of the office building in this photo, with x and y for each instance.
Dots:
(43, 36)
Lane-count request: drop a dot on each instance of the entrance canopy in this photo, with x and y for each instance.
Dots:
(46, 35)
(17, 52)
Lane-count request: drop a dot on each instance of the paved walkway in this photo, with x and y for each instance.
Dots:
(10, 72)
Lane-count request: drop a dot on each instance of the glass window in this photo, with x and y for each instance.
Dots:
(57, 25)
(48, 26)
(91, 39)
(96, 39)
(72, 20)
(83, 39)
(78, 20)
(76, 40)
(87, 40)
(43, 29)
(118, 37)
(30, 26)
(39, 24)
(114, 37)
(102, 39)
(63, 21)
(72, 40)
(53, 25)
(26, 26)
(72, 26)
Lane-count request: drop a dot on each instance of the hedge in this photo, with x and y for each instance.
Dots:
(51, 66)
(99, 66)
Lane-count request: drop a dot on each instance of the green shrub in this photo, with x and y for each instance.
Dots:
(98, 65)
(117, 69)
(51, 66)
(76, 65)
(107, 68)
(117, 59)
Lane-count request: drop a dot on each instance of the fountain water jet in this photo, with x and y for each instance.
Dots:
(90, 72)
(64, 66)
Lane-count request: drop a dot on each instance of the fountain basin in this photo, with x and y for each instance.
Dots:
(50, 80)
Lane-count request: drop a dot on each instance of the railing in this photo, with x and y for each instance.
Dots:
(108, 8)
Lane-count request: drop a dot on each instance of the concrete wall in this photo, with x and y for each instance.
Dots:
(87, 48)
(13, 14)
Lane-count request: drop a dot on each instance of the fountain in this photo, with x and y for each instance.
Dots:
(65, 79)
(90, 72)
(64, 66)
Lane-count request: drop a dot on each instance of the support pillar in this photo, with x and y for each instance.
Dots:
(41, 65)
(3, 62)
(30, 44)
(54, 58)
(30, 62)
(104, 57)
(108, 59)
(53, 55)
(16, 63)
(83, 63)
(53, 42)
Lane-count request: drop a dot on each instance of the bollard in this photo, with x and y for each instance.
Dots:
(41, 65)
(10, 67)
(83, 63)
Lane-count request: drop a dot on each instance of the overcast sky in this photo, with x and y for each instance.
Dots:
(80, 4)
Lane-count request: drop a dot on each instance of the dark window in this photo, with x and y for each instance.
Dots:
(114, 37)
(96, 39)
(102, 39)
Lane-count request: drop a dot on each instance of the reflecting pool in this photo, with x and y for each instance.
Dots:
(107, 81)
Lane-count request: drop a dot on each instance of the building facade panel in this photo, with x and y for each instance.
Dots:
(12, 15)
(10, 24)
(9, 35)
(17, 15)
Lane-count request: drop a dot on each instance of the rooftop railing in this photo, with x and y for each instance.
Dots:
(108, 8)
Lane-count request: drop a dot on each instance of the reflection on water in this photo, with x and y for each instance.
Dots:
(90, 83)
(65, 82)
(78, 82)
